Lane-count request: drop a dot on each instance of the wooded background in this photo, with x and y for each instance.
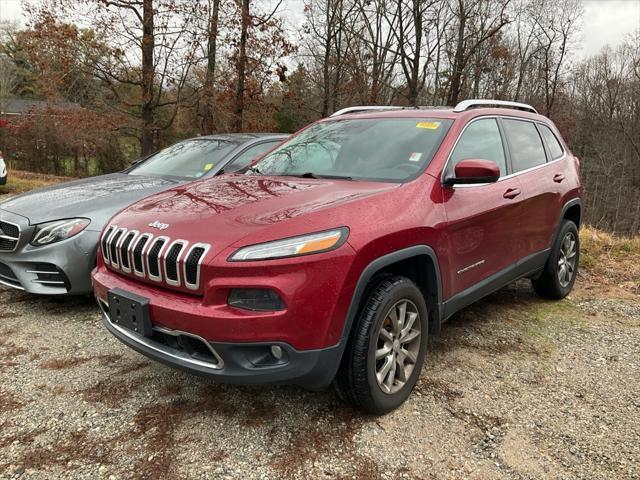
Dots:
(122, 78)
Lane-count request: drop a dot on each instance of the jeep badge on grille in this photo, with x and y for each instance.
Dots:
(160, 226)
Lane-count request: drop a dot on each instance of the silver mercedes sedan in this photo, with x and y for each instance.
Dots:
(49, 237)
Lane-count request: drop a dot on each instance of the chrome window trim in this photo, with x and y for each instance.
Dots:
(115, 263)
(155, 346)
(156, 278)
(133, 241)
(7, 237)
(143, 273)
(506, 177)
(184, 243)
(194, 286)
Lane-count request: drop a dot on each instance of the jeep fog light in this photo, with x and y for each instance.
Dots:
(256, 299)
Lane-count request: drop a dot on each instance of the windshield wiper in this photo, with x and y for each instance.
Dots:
(315, 175)
(254, 169)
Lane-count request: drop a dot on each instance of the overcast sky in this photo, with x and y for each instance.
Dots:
(604, 21)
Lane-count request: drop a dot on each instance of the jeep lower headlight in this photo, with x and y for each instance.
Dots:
(52, 232)
(292, 247)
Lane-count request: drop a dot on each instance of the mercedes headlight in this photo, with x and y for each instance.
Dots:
(52, 232)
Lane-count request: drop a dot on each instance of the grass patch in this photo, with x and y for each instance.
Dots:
(20, 181)
(547, 317)
(610, 260)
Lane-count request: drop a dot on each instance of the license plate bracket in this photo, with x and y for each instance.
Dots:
(130, 311)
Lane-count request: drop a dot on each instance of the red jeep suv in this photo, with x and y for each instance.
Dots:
(333, 257)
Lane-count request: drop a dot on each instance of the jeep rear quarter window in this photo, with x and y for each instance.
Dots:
(555, 149)
(383, 149)
(525, 144)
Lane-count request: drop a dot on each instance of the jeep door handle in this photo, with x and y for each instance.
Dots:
(558, 177)
(511, 193)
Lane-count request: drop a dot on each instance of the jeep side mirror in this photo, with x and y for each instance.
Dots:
(471, 171)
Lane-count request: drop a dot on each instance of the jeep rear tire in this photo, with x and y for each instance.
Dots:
(386, 348)
(560, 271)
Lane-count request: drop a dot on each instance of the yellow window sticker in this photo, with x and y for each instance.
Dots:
(428, 125)
(208, 167)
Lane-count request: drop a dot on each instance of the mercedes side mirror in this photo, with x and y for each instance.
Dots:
(471, 171)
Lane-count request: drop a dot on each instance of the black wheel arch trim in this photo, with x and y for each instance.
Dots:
(379, 264)
(571, 203)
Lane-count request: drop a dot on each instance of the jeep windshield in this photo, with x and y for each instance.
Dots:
(188, 159)
(379, 149)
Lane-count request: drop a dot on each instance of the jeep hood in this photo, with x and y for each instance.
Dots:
(96, 198)
(225, 210)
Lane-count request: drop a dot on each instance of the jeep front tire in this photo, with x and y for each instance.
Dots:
(386, 348)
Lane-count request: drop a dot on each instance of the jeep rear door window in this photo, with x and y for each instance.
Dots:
(555, 149)
(481, 140)
(383, 149)
(525, 144)
(189, 159)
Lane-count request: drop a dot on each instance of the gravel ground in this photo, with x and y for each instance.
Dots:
(513, 388)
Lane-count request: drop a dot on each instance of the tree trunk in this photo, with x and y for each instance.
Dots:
(458, 63)
(242, 65)
(208, 126)
(414, 84)
(148, 44)
(325, 66)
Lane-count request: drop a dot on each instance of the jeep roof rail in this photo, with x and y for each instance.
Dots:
(366, 108)
(468, 104)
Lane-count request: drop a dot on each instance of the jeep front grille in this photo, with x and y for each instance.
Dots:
(138, 261)
(104, 243)
(9, 236)
(192, 265)
(125, 261)
(171, 262)
(155, 258)
(113, 247)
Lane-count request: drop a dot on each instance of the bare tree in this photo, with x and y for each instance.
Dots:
(326, 30)
(556, 28)
(148, 48)
(409, 30)
(477, 21)
(209, 81)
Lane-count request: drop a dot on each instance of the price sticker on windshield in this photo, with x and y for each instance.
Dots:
(428, 125)
(415, 157)
(208, 167)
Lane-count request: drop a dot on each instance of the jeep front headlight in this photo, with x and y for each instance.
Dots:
(294, 246)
